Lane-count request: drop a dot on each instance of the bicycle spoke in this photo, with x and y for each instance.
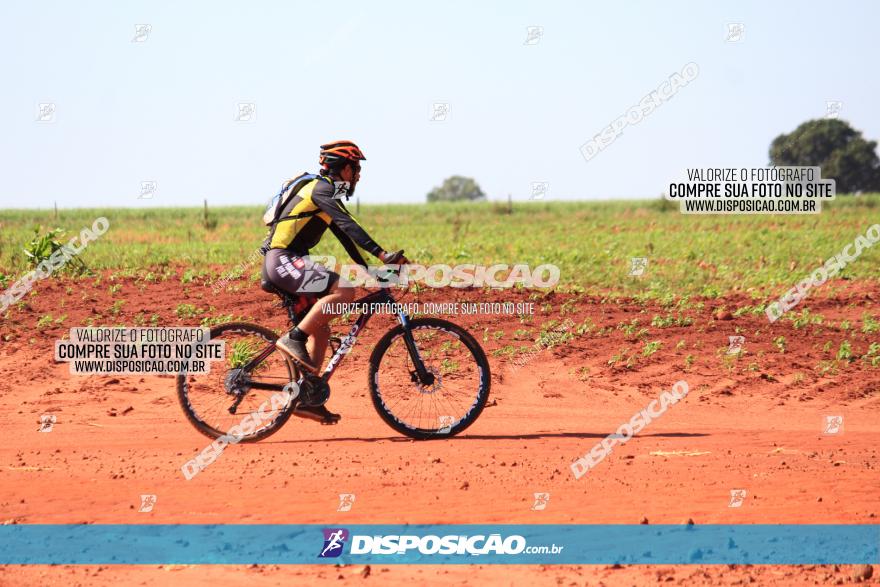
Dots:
(426, 408)
(210, 396)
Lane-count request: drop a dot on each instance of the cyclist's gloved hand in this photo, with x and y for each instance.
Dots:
(395, 258)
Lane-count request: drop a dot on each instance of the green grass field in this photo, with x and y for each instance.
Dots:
(591, 242)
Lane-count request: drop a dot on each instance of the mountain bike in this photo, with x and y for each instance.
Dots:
(428, 378)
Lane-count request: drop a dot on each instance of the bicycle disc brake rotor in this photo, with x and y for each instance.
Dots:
(434, 386)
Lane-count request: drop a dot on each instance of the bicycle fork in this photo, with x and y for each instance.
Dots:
(425, 376)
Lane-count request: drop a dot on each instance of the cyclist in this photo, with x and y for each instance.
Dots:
(316, 206)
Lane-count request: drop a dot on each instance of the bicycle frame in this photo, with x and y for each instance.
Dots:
(378, 297)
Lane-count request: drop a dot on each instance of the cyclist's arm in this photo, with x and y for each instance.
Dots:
(348, 245)
(322, 196)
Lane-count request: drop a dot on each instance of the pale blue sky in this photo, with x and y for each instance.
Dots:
(164, 109)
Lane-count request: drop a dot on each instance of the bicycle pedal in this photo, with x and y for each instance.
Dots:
(326, 418)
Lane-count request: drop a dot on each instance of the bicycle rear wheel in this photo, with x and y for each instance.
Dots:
(229, 399)
(461, 380)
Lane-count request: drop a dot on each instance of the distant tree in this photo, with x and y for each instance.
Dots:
(834, 146)
(456, 188)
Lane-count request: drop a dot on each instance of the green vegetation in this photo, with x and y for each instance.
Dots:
(621, 357)
(187, 311)
(873, 354)
(242, 352)
(779, 343)
(670, 321)
(585, 327)
(845, 353)
(826, 368)
(209, 321)
(590, 242)
(549, 339)
(44, 243)
(651, 348)
(629, 329)
(869, 324)
(836, 147)
(805, 318)
(456, 188)
(521, 334)
(507, 350)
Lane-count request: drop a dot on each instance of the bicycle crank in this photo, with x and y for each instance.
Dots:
(313, 391)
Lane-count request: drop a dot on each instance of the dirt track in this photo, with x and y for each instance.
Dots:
(758, 429)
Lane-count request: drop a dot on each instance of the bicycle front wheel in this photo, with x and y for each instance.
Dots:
(456, 397)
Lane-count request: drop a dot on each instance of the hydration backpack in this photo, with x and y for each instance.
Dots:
(281, 199)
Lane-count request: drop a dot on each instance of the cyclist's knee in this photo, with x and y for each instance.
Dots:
(343, 291)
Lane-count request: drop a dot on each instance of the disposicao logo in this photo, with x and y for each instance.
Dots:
(334, 541)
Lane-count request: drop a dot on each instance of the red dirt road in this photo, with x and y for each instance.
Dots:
(752, 422)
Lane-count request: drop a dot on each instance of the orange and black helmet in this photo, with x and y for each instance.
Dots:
(339, 152)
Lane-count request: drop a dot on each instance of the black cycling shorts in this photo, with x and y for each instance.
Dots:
(297, 275)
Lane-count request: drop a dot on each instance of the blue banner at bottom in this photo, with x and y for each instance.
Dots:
(792, 544)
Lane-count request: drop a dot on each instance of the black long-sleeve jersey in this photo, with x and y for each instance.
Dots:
(307, 216)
